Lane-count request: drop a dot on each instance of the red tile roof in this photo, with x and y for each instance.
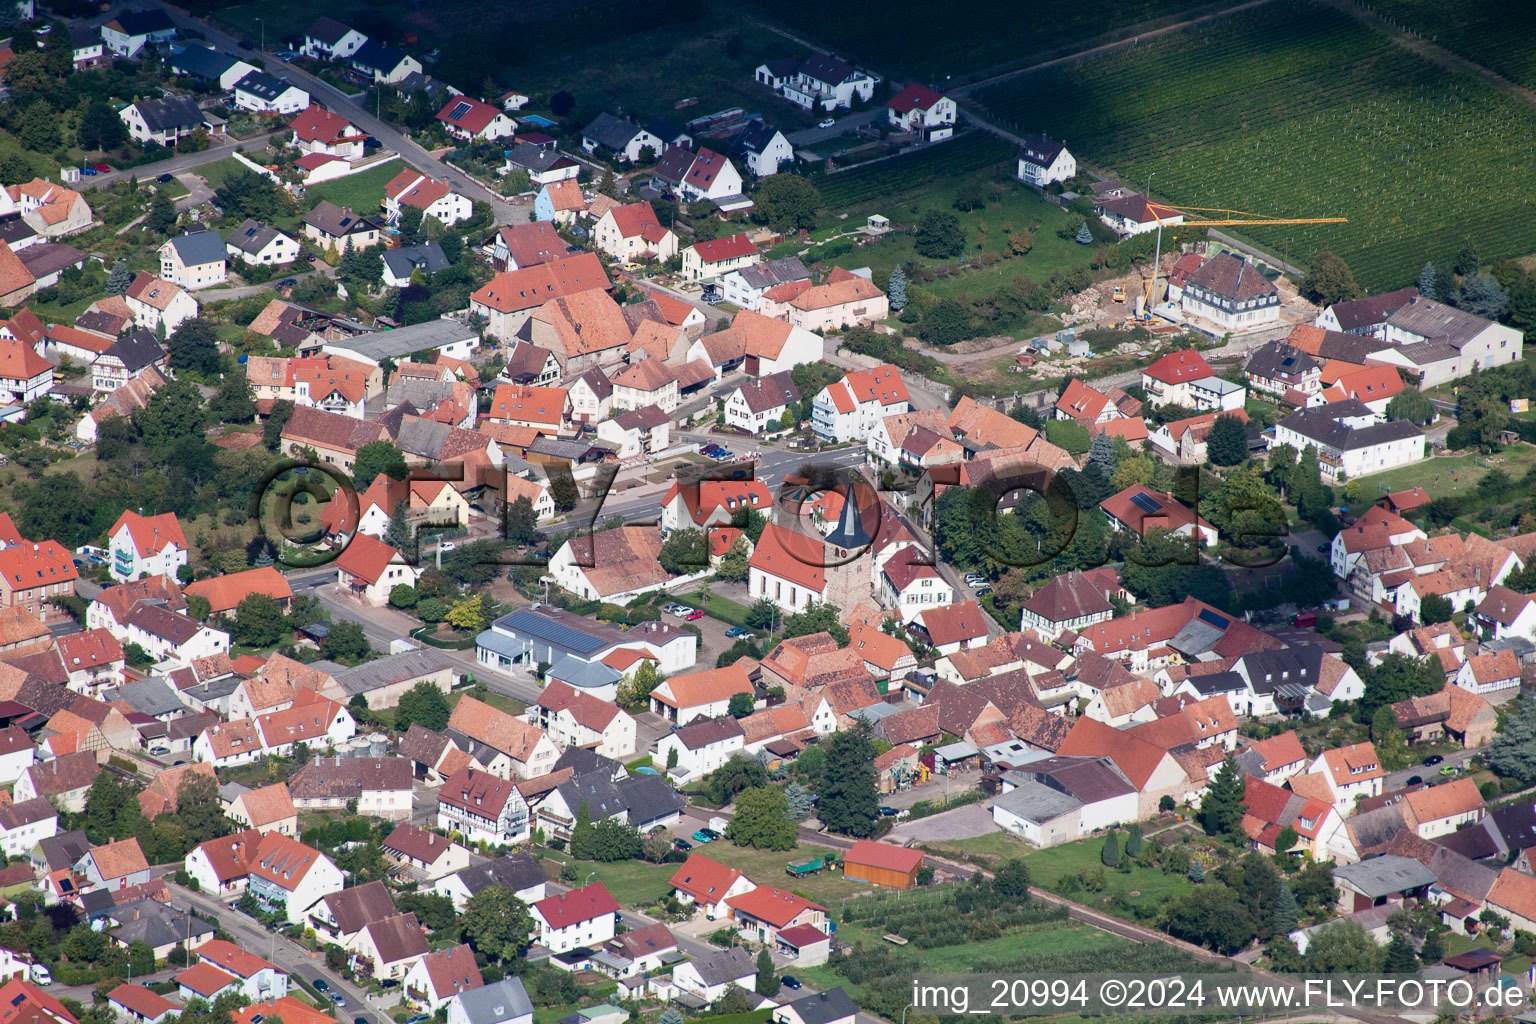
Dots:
(1179, 368)
(776, 906)
(704, 879)
(366, 558)
(718, 250)
(576, 906)
(533, 286)
(914, 97)
(883, 855)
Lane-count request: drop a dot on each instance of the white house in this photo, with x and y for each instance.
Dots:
(329, 39)
(369, 569)
(827, 82)
(1230, 292)
(433, 198)
(909, 587)
(580, 917)
(714, 258)
(1350, 772)
(706, 884)
(848, 409)
(196, 260)
(762, 148)
(710, 176)
(131, 31)
(435, 979)
(707, 694)
(258, 979)
(501, 1002)
(1478, 343)
(469, 118)
(758, 406)
(632, 232)
(1043, 161)
(261, 245)
(927, 112)
(701, 746)
(746, 287)
(626, 140)
(289, 877)
(575, 719)
(154, 301)
(262, 93)
(709, 977)
(482, 807)
(1351, 440)
(145, 546)
(25, 824)
(1167, 381)
(162, 120)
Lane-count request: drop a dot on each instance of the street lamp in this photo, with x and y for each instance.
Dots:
(263, 35)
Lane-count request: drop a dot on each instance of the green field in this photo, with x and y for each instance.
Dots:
(1455, 475)
(1495, 35)
(1297, 110)
(364, 192)
(907, 37)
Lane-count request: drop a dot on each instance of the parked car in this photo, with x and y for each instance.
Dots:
(1414, 780)
(706, 835)
(736, 631)
(338, 999)
(89, 172)
(826, 122)
(246, 44)
(310, 257)
(1449, 769)
(165, 178)
(321, 985)
(104, 168)
(983, 591)
(696, 614)
(888, 812)
(681, 845)
(791, 982)
(1323, 549)
(1432, 760)
(287, 282)
(41, 975)
(446, 546)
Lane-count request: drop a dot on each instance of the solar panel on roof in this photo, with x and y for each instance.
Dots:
(554, 632)
(1146, 503)
(1219, 621)
(459, 110)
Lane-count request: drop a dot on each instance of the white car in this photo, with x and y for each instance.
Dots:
(41, 975)
(826, 122)
(447, 546)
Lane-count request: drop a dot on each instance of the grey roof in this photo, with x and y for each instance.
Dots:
(403, 341)
(170, 112)
(754, 138)
(421, 394)
(774, 272)
(263, 86)
(1196, 637)
(395, 668)
(823, 1007)
(252, 236)
(561, 628)
(361, 905)
(494, 1003)
(582, 761)
(1436, 322)
(337, 220)
(203, 62)
(199, 247)
(376, 56)
(1041, 151)
(1218, 682)
(1089, 779)
(1371, 310)
(725, 965)
(327, 30)
(1278, 359)
(155, 924)
(1037, 803)
(1383, 876)
(647, 417)
(153, 696)
(516, 871)
(49, 258)
(229, 792)
(143, 23)
(536, 159)
(64, 850)
(1325, 425)
(500, 643)
(875, 712)
(611, 132)
(645, 798)
(1426, 353)
(214, 689)
(137, 350)
(1268, 670)
(423, 437)
(427, 257)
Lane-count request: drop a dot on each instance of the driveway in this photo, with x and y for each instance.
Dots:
(843, 126)
(960, 823)
(178, 163)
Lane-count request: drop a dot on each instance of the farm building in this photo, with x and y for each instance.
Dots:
(882, 864)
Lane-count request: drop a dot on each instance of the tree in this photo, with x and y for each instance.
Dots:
(613, 840)
(1412, 405)
(410, 226)
(1133, 840)
(608, 185)
(259, 621)
(235, 401)
(522, 523)
(740, 705)
(100, 127)
(1214, 917)
(377, 457)
(246, 195)
(734, 564)
(468, 613)
(767, 982)
(1283, 916)
(1434, 608)
(346, 642)
(1227, 444)
(939, 235)
(563, 491)
(1221, 810)
(1427, 281)
(762, 820)
(1011, 881)
(397, 532)
(896, 289)
(786, 202)
(402, 595)
(496, 923)
(1329, 280)
(1343, 947)
(1109, 853)
(583, 841)
(1196, 872)
(762, 614)
(1084, 236)
(277, 421)
(1432, 950)
(671, 1015)
(120, 278)
(1467, 260)
(819, 617)
(1400, 957)
(194, 346)
(970, 196)
(37, 126)
(423, 705)
(1513, 751)
(945, 323)
(562, 103)
(797, 800)
(162, 215)
(1481, 295)
(105, 802)
(1020, 242)
(849, 803)
(684, 551)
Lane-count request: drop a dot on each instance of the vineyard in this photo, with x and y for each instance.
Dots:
(1294, 109)
(1493, 33)
(905, 36)
(921, 169)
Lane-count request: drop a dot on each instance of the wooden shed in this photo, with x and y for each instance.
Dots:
(882, 864)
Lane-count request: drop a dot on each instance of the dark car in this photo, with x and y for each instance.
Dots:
(322, 985)
(790, 981)
(681, 845)
(359, 1020)
(246, 44)
(165, 178)
(1414, 780)
(1432, 760)
(1323, 549)
(310, 257)
(287, 282)
(889, 812)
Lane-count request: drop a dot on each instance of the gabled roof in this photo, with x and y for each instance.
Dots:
(1231, 277)
(576, 906)
(719, 250)
(776, 906)
(533, 286)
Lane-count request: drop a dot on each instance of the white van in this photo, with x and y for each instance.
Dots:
(41, 975)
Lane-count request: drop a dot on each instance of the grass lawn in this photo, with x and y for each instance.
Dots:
(1453, 475)
(173, 189)
(722, 608)
(495, 700)
(766, 867)
(363, 192)
(216, 173)
(634, 883)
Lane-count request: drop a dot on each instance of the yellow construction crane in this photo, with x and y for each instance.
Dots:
(1240, 218)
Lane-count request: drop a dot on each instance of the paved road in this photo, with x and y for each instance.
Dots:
(179, 162)
(338, 102)
(1429, 773)
(843, 126)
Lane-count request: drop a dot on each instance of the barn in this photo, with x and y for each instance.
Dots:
(882, 864)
